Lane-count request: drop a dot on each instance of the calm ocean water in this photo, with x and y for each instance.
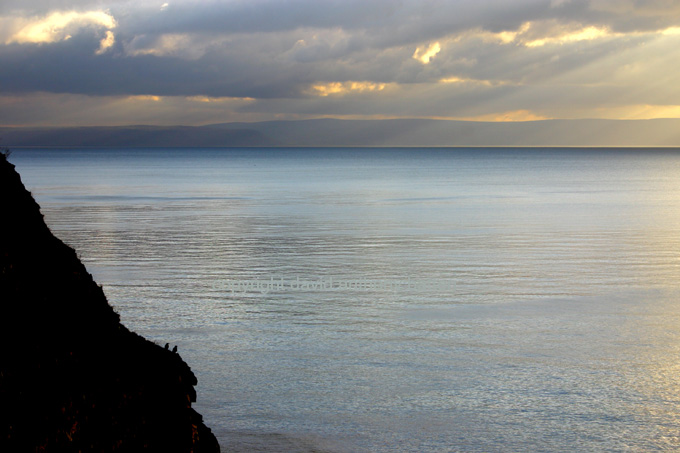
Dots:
(394, 299)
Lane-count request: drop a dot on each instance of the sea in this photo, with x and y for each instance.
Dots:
(393, 299)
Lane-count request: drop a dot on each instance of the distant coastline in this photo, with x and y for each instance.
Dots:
(360, 133)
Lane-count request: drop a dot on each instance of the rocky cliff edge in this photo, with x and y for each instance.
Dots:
(72, 377)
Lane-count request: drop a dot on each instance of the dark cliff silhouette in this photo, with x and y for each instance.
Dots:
(72, 377)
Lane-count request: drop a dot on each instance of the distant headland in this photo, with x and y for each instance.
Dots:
(362, 133)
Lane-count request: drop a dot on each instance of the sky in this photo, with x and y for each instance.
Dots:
(109, 62)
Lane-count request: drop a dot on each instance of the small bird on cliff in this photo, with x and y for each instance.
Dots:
(174, 349)
(167, 345)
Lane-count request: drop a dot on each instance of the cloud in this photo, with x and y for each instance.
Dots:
(47, 109)
(106, 43)
(461, 80)
(425, 55)
(583, 34)
(58, 26)
(342, 88)
(166, 45)
(464, 59)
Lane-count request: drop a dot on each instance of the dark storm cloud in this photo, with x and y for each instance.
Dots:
(72, 67)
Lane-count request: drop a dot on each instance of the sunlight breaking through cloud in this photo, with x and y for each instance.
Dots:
(583, 34)
(511, 116)
(426, 55)
(341, 88)
(537, 34)
(208, 99)
(106, 43)
(60, 26)
(643, 112)
(144, 97)
(472, 81)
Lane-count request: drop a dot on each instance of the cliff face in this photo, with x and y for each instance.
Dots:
(72, 377)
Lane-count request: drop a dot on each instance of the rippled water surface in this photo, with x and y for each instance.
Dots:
(394, 299)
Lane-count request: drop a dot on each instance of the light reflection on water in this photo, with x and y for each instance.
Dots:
(512, 299)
